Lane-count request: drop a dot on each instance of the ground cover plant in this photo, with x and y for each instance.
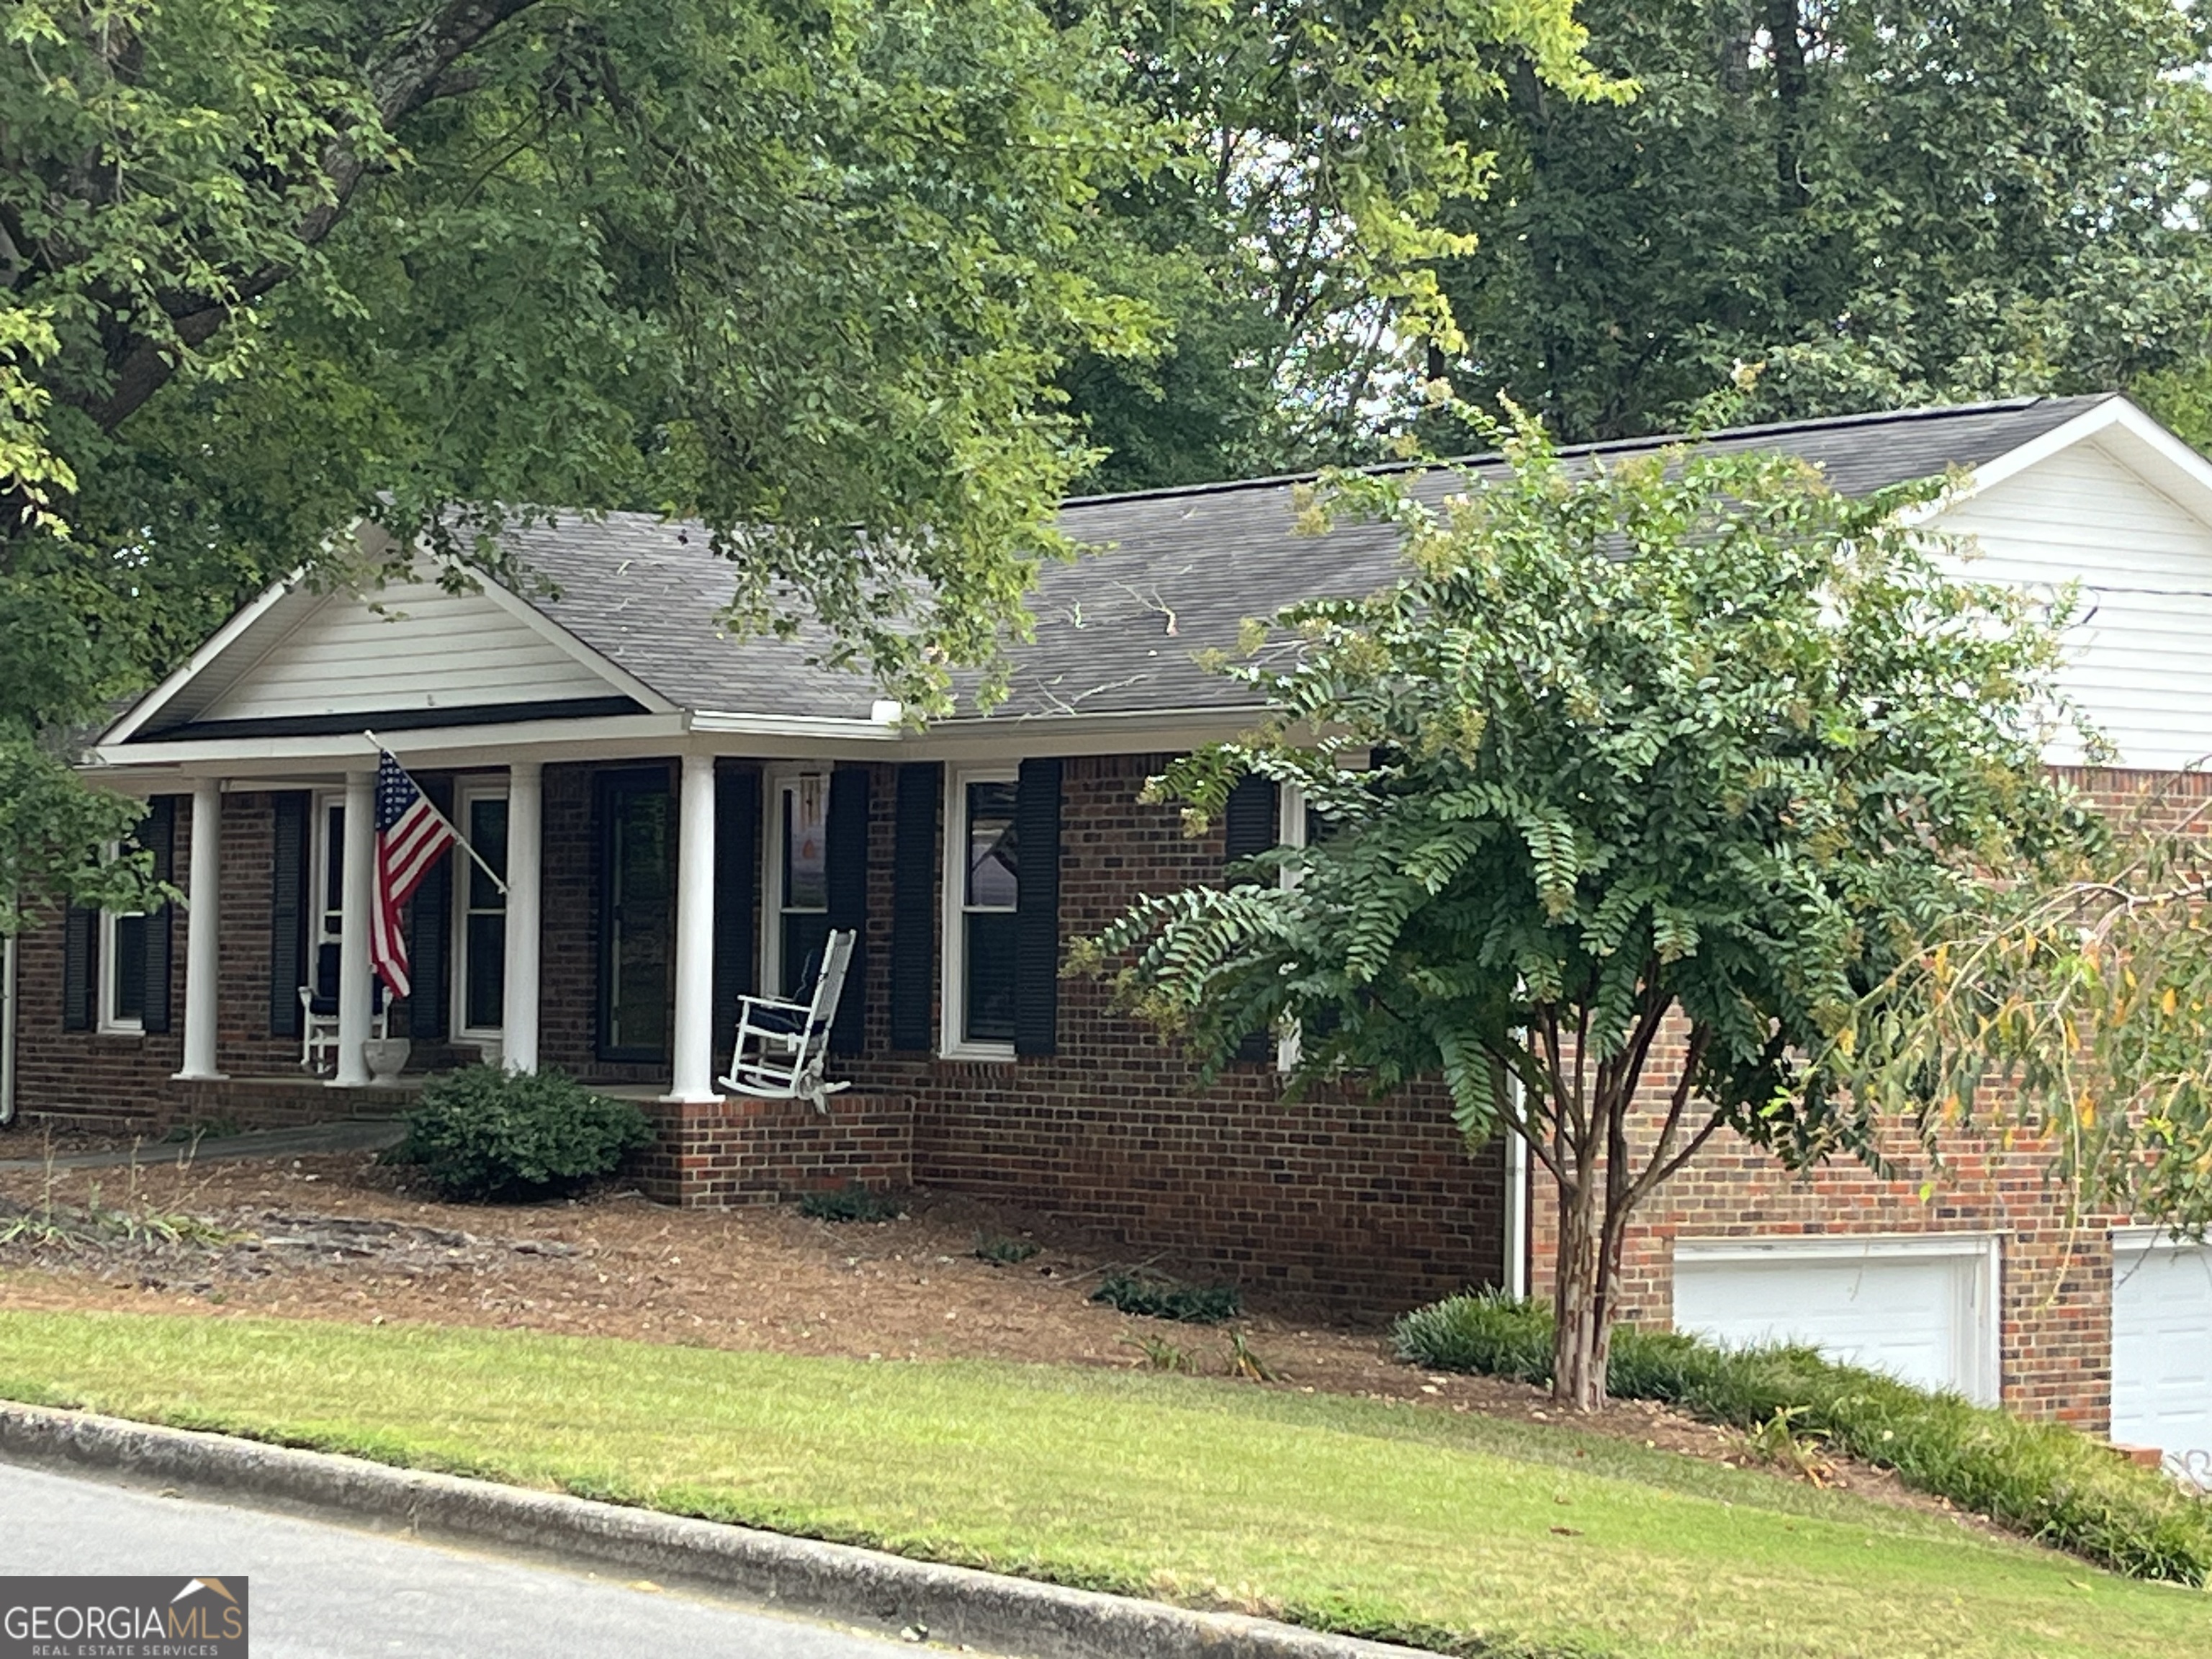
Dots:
(486, 1133)
(1167, 1298)
(851, 1203)
(1460, 1532)
(2043, 1480)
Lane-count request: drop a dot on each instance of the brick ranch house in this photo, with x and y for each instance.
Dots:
(681, 817)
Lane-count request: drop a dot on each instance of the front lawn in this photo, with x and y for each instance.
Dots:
(1354, 1514)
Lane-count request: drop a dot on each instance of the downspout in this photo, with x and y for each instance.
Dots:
(1515, 1229)
(6, 1030)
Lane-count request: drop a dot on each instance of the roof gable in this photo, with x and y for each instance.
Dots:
(411, 654)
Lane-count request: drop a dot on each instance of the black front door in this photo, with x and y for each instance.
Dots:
(637, 883)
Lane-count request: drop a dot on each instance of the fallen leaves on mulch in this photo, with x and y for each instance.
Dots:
(341, 1236)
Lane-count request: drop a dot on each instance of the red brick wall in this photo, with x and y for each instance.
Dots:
(2055, 1295)
(747, 1152)
(94, 1076)
(1375, 1203)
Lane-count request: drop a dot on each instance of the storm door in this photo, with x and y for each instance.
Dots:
(637, 871)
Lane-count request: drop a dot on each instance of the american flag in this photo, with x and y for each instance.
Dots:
(411, 834)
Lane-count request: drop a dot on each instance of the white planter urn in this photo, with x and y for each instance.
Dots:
(386, 1057)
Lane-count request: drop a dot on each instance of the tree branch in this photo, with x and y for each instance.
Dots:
(402, 84)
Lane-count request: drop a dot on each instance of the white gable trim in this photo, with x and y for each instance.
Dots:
(255, 616)
(554, 634)
(218, 643)
(2163, 461)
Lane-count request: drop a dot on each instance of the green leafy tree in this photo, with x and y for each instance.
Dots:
(1678, 756)
(805, 270)
(1889, 203)
(1312, 153)
(2077, 1009)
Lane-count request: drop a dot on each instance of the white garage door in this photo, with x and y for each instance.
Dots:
(2162, 1350)
(1920, 1309)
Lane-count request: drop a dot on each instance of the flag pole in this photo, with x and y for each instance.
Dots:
(451, 829)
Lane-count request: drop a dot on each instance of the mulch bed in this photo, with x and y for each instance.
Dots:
(343, 1238)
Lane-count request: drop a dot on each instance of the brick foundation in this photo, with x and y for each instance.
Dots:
(760, 1151)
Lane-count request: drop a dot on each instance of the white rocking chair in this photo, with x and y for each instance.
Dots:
(782, 1046)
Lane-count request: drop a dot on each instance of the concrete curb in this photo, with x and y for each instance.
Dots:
(860, 1587)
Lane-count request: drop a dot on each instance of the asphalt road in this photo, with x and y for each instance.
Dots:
(322, 1591)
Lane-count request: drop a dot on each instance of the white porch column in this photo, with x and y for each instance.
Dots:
(526, 797)
(353, 929)
(202, 964)
(694, 1040)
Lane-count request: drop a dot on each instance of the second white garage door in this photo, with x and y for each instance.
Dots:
(1922, 1308)
(2162, 1349)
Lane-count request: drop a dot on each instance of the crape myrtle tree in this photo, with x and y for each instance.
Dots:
(1650, 768)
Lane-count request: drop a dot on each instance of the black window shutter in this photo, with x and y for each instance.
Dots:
(430, 933)
(1249, 826)
(1036, 922)
(914, 903)
(847, 851)
(157, 833)
(288, 912)
(78, 937)
(737, 877)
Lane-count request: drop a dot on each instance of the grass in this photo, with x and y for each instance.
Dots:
(1356, 1514)
(2044, 1480)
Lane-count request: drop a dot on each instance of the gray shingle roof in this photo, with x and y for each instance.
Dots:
(1169, 573)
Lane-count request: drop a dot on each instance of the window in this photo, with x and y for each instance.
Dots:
(122, 968)
(329, 871)
(480, 918)
(982, 886)
(798, 877)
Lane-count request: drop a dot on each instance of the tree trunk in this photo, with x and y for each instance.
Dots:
(1579, 1334)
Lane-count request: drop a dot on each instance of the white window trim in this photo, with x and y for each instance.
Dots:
(952, 1043)
(318, 833)
(104, 962)
(775, 780)
(466, 792)
(1982, 1362)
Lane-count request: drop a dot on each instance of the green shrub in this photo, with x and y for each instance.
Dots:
(2042, 1479)
(852, 1203)
(485, 1133)
(1165, 1298)
(1001, 1252)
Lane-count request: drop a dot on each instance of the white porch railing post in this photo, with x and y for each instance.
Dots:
(526, 797)
(354, 994)
(694, 1039)
(203, 911)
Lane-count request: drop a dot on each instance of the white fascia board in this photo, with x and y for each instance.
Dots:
(561, 640)
(1832, 1247)
(611, 737)
(220, 641)
(2137, 440)
(972, 738)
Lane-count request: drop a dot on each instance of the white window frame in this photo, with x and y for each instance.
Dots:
(319, 835)
(466, 792)
(952, 1041)
(106, 959)
(1980, 1359)
(775, 781)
